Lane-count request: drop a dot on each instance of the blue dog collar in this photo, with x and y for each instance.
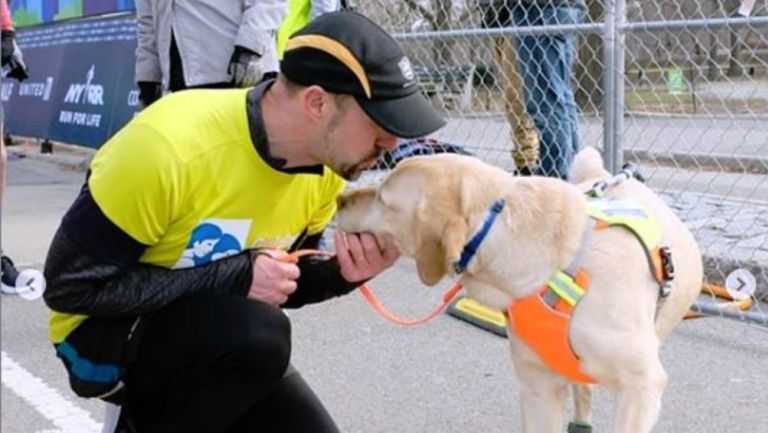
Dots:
(470, 248)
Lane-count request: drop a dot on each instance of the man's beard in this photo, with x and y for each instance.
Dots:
(352, 172)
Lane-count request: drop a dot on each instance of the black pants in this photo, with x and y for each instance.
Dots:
(219, 364)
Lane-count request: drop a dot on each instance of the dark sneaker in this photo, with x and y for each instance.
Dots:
(8, 276)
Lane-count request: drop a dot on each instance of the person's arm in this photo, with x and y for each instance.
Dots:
(260, 21)
(148, 72)
(11, 53)
(93, 268)
(3, 161)
(6, 25)
(253, 55)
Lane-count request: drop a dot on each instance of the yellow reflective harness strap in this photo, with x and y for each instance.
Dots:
(564, 286)
(633, 216)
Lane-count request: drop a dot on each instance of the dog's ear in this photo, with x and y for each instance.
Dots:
(440, 236)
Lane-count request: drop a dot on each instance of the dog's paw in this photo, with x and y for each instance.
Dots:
(579, 427)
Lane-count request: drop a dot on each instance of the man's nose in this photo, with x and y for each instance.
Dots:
(388, 143)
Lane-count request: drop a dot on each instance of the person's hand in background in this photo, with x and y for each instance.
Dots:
(246, 67)
(12, 57)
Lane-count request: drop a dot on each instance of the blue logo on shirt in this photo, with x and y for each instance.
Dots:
(208, 243)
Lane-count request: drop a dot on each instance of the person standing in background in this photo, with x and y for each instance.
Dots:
(525, 137)
(204, 43)
(546, 63)
(13, 67)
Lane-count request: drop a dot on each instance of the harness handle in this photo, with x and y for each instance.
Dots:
(628, 171)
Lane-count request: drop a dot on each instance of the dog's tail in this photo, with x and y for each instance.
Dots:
(587, 164)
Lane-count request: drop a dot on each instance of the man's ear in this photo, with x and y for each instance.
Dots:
(314, 101)
(441, 234)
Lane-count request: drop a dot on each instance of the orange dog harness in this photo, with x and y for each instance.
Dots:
(542, 319)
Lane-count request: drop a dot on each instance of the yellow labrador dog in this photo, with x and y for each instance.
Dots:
(433, 205)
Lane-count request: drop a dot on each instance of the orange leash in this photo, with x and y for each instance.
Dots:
(369, 296)
(382, 310)
(296, 255)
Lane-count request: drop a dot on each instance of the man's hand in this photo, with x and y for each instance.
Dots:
(272, 280)
(362, 257)
(246, 68)
(12, 58)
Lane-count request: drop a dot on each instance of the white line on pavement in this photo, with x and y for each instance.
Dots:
(63, 413)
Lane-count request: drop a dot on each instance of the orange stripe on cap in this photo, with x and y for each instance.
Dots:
(337, 50)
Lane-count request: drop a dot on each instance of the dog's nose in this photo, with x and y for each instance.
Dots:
(341, 201)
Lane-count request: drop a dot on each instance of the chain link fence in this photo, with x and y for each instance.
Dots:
(681, 87)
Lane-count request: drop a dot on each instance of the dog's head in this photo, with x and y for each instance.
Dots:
(425, 206)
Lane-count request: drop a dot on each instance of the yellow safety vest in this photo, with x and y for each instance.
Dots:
(296, 18)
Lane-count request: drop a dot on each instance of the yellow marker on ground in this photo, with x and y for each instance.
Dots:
(479, 315)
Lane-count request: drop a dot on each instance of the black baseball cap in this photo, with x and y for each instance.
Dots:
(347, 53)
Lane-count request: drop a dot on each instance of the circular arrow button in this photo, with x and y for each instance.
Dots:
(740, 284)
(30, 284)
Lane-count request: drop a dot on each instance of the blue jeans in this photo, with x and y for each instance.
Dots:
(546, 64)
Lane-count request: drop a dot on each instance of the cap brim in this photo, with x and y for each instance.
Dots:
(411, 116)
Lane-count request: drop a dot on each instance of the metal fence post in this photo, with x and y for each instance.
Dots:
(613, 82)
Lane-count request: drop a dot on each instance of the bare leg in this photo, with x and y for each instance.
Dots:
(3, 161)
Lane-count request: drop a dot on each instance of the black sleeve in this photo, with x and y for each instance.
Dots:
(320, 278)
(92, 268)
